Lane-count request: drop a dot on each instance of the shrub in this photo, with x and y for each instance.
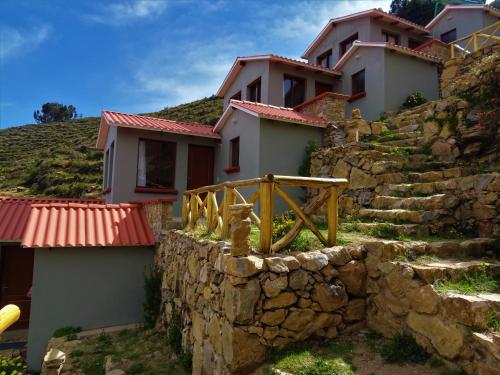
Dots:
(152, 291)
(304, 168)
(174, 331)
(282, 225)
(69, 332)
(12, 366)
(403, 349)
(414, 100)
(186, 360)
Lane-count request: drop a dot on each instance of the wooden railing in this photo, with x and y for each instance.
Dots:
(202, 202)
(475, 41)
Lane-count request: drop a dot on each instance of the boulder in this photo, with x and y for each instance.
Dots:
(353, 276)
(282, 300)
(355, 310)
(273, 317)
(471, 311)
(298, 319)
(242, 351)
(291, 262)
(378, 128)
(274, 287)
(276, 264)
(239, 302)
(312, 260)
(298, 279)
(424, 299)
(243, 266)
(337, 255)
(361, 180)
(341, 169)
(329, 296)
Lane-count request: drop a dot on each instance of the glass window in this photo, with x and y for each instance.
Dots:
(106, 167)
(346, 44)
(321, 87)
(254, 91)
(358, 82)
(156, 164)
(237, 96)
(110, 164)
(449, 36)
(390, 37)
(325, 59)
(413, 43)
(235, 152)
(294, 90)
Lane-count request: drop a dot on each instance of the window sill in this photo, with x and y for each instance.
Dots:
(146, 190)
(357, 96)
(106, 191)
(232, 169)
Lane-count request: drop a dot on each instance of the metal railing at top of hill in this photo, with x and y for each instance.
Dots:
(475, 41)
(203, 202)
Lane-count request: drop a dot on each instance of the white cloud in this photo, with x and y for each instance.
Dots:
(15, 41)
(125, 12)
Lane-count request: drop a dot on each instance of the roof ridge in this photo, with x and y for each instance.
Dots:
(263, 104)
(157, 118)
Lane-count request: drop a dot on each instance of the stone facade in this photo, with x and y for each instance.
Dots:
(330, 106)
(234, 309)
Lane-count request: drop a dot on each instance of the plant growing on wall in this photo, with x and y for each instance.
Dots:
(415, 99)
(174, 340)
(152, 292)
(305, 167)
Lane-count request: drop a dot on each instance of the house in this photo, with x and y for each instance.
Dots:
(457, 21)
(69, 262)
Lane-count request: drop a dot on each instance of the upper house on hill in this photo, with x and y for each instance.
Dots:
(274, 105)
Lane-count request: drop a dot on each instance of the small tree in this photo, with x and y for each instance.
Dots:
(418, 11)
(52, 112)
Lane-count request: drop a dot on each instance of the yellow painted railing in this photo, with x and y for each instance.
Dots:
(202, 202)
(8, 316)
(475, 41)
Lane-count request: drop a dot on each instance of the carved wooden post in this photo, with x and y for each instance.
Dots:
(193, 205)
(266, 215)
(229, 200)
(210, 212)
(185, 210)
(240, 229)
(332, 207)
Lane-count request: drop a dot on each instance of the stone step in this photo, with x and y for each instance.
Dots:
(400, 230)
(452, 185)
(453, 269)
(399, 215)
(470, 310)
(396, 150)
(400, 135)
(408, 142)
(438, 175)
(474, 247)
(432, 202)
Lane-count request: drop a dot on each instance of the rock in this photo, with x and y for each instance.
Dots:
(276, 264)
(193, 265)
(361, 180)
(443, 151)
(116, 371)
(353, 276)
(198, 327)
(491, 341)
(329, 272)
(378, 128)
(447, 339)
(424, 299)
(214, 333)
(291, 262)
(329, 296)
(338, 255)
(298, 279)
(274, 287)
(356, 310)
(240, 229)
(241, 350)
(297, 320)
(274, 317)
(399, 280)
(243, 266)
(239, 302)
(312, 260)
(431, 129)
(282, 300)
(472, 311)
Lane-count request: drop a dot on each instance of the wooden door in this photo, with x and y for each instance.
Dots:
(200, 166)
(16, 276)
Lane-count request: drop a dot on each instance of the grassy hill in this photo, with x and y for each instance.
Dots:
(59, 159)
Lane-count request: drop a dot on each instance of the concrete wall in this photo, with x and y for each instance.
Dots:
(86, 287)
(125, 169)
(465, 21)
(368, 30)
(405, 75)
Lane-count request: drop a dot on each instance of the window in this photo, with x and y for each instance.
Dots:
(346, 44)
(390, 37)
(321, 87)
(358, 82)
(449, 36)
(254, 91)
(111, 158)
(106, 167)
(294, 90)
(413, 43)
(235, 152)
(325, 59)
(156, 164)
(236, 96)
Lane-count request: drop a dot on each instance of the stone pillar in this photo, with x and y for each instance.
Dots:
(356, 126)
(240, 229)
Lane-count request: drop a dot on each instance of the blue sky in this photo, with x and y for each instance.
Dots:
(142, 55)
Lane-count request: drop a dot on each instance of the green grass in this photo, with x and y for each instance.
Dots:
(472, 282)
(68, 331)
(403, 349)
(60, 159)
(306, 358)
(493, 322)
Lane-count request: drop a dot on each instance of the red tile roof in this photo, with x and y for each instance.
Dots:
(14, 213)
(429, 43)
(270, 112)
(77, 225)
(376, 14)
(240, 61)
(111, 118)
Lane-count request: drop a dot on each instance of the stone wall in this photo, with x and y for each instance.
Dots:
(453, 326)
(234, 309)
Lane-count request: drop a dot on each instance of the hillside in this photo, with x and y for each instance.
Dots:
(59, 159)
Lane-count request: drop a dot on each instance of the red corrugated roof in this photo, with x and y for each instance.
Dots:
(74, 224)
(14, 213)
(111, 118)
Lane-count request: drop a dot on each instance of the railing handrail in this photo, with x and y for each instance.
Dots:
(480, 31)
(473, 39)
(313, 182)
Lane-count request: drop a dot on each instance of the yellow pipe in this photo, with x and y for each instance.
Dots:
(8, 316)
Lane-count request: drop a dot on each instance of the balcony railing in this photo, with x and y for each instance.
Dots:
(202, 202)
(475, 41)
